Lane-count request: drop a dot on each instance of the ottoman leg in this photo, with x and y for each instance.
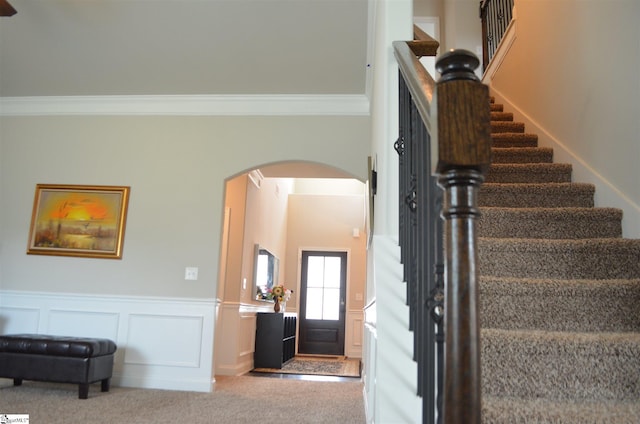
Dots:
(83, 391)
(104, 384)
(17, 382)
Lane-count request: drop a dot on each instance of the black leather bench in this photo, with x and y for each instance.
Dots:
(58, 359)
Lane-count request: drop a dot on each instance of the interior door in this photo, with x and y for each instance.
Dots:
(322, 303)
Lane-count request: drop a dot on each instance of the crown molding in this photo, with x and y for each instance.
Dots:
(196, 105)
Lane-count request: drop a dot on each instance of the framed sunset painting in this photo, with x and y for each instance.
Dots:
(78, 220)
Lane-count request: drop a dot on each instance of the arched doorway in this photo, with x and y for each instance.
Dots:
(285, 208)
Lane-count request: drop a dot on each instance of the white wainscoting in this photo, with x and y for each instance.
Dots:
(163, 343)
(354, 335)
(236, 337)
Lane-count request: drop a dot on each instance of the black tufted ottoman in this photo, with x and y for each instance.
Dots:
(57, 359)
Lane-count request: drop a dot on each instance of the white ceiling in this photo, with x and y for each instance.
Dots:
(184, 47)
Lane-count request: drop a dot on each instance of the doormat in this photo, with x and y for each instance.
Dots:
(339, 367)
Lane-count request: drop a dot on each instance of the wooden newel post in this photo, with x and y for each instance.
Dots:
(464, 155)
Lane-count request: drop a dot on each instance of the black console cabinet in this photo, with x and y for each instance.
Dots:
(275, 339)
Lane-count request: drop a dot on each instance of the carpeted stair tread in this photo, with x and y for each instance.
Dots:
(507, 126)
(603, 258)
(509, 139)
(522, 155)
(501, 116)
(507, 410)
(560, 365)
(536, 195)
(529, 173)
(552, 223)
(560, 305)
(559, 292)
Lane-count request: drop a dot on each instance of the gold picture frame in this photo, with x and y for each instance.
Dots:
(78, 220)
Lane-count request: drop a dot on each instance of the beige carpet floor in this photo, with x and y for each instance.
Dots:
(244, 399)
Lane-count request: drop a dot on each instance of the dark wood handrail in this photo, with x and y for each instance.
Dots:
(421, 85)
(423, 44)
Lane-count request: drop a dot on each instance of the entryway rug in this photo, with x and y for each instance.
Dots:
(339, 367)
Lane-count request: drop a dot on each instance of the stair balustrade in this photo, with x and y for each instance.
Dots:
(495, 16)
(439, 181)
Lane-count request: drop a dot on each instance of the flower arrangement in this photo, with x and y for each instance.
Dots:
(279, 292)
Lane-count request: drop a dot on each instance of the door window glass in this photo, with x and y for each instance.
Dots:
(323, 288)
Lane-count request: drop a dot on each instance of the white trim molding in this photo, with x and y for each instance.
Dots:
(187, 105)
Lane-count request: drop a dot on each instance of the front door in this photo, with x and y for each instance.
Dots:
(322, 302)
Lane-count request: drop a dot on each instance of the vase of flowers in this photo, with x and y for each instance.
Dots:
(276, 304)
(279, 294)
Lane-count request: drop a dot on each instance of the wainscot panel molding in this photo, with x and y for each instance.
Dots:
(369, 372)
(354, 333)
(18, 320)
(99, 324)
(196, 105)
(163, 343)
(186, 334)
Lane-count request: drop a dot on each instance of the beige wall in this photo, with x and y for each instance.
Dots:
(176, 167)
(266, 225)
(235, 203)
(459, 20)
(462, 28)
(327, 222)
(427, 7)
(258, 215)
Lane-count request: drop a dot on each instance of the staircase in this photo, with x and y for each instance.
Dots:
(559, 292)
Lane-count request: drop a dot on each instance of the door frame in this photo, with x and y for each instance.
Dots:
(348, 337)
